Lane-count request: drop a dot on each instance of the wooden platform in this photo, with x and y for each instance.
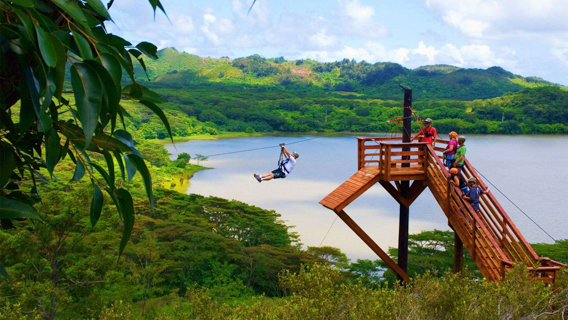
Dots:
(351, 189)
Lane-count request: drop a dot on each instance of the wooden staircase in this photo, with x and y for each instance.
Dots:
(490, 236)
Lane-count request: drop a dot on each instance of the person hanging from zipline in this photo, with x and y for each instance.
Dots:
(286, 163)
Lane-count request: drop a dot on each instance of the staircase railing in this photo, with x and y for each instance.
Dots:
(473, 232)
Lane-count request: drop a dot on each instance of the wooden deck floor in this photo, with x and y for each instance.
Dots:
(351, 189)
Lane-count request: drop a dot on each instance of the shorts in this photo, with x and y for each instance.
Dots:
(449, 160)
(278, 174)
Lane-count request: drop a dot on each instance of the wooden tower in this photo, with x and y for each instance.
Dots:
(404, 169)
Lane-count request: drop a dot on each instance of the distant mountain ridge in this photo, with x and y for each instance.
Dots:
(342, 77)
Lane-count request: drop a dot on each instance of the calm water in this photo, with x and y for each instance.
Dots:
(530, 170)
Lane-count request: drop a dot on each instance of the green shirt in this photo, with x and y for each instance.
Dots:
(460, 152)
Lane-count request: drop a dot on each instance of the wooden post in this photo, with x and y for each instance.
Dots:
(458, 254)
(405, 185)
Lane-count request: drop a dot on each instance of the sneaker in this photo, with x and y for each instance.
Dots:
(257, 177)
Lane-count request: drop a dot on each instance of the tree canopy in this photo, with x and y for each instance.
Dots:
(45, 45)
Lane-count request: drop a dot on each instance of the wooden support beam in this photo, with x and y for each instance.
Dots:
(374, 246)
(458, 254)
(393, 192)
(415, 190)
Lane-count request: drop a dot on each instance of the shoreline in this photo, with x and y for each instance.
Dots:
(236, 135)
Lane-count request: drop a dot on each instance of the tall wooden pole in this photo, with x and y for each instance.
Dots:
(405, 185)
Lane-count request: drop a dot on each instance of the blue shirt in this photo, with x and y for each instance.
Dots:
(474, 193)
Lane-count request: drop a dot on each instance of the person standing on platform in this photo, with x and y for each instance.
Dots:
(459, 156)
(451, 149)
(428, 132)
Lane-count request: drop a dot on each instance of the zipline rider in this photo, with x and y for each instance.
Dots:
(285, 165)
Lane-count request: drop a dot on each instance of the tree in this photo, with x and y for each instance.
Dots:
(42, 42)
(200, 157)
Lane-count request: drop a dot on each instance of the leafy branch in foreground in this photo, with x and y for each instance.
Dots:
(42, 41)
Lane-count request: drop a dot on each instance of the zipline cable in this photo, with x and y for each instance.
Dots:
(511, 201)
(322, 240)
(288, 143)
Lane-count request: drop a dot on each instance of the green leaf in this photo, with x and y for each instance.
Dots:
(71, 7)
(107, 81)
(46, 47)
(99, 8)
(126, 208)
(25, 3)
(120, 163)
(160, 114)
(141, 166)
(52, 150)
(105, 175)
(96, 204)
(157, 3)
(113, 67)
(109, 143)
(83, 45)
(110, 164)
(8, 163)
(130, 168)
(45, 123)
(65, 149)
(12, 209)
(59, 76)
(138, 92)
(79, 171)
(148, 49)
(88, 92)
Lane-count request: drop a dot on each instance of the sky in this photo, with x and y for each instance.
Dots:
(526, 37)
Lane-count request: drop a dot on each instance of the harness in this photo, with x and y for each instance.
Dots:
(282, 161)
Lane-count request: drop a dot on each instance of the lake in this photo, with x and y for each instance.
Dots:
(530, 170)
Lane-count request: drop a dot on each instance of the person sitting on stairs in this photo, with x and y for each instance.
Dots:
(285, 166)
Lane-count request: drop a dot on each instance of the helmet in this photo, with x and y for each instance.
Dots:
(454, 170)
(461, 139)
(428, 120)
(472, 180)
(454, 134)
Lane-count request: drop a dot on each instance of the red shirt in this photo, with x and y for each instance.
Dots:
(432, 134)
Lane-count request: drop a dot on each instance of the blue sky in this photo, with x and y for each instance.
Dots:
(529, 38)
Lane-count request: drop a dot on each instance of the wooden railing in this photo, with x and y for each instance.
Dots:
(368, 150)
(490, 235)
(473, 232)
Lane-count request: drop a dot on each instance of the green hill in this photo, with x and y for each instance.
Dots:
(378, 80)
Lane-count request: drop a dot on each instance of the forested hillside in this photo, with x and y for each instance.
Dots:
(214, 108)
(255, 95)
(378, 80)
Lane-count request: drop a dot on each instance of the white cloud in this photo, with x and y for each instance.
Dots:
(469, 56)
(215, 28)
(321, 39)
(498, 19)
(357, 19)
